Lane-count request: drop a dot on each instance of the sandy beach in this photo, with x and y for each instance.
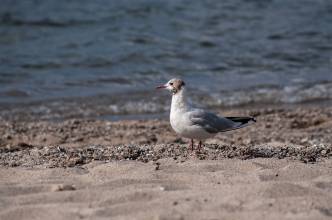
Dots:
(85, 134)
(279, 168)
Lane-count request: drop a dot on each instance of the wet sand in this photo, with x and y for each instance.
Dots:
(279, 168)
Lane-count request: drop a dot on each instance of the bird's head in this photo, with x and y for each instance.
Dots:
(174, 85)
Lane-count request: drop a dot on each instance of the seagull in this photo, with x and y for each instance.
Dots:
(196, 123)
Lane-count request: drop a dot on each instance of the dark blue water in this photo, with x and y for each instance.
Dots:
(230, 52)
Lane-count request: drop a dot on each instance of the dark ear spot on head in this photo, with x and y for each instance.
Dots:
(177, 85)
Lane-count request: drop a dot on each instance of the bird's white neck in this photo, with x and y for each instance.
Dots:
(179, 101)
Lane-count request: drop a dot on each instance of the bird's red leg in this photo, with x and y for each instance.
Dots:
(192, 144)
(199, 145)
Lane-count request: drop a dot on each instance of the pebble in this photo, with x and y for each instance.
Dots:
(29, 155)
(62, 187)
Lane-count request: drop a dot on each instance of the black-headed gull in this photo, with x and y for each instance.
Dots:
(196, 123)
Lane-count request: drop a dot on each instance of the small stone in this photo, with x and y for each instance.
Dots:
(62, 187)
(157, 166)
(303, 140)
(24, 145)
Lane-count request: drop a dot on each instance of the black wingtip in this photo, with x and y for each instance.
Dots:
(242, 120)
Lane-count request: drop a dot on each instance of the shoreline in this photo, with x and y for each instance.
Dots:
(105, 107)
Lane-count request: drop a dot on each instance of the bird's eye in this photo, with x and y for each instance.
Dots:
(171, 84)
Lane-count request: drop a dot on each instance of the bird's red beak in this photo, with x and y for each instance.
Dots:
(161, 87)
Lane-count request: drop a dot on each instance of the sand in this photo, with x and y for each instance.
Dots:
(194, 189)
(279, 168)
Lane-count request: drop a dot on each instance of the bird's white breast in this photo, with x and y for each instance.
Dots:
(180, 120)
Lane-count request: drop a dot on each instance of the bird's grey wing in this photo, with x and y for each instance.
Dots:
(211, 122)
